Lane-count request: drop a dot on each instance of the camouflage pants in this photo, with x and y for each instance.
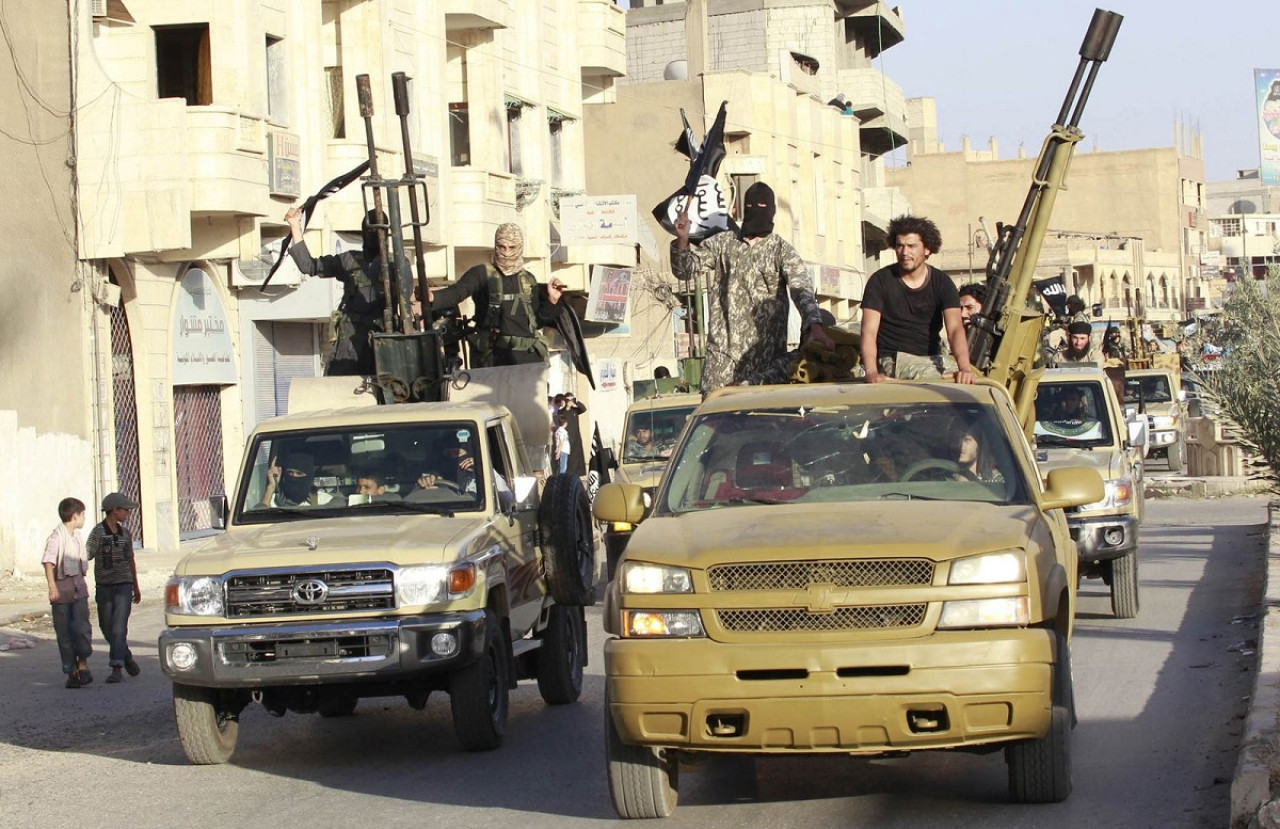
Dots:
(906, 366)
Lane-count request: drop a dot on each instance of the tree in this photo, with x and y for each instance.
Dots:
(1244, 381)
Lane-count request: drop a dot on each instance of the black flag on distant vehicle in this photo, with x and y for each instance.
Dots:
(708, 213)
(309, 206)
(601, 462)
(1054, 292)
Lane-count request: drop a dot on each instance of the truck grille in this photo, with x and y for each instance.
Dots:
(873, 617)
(798, 575)
(321, 591)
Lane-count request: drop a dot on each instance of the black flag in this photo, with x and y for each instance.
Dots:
(571, 332)
(601, 462)
(1054, 292)
(708, 213)
(309, 206)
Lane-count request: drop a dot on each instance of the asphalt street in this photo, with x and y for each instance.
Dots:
(1161, 701)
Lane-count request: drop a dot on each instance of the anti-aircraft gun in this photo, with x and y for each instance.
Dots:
(1005, 337)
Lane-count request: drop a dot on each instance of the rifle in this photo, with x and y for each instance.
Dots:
(1005, 336)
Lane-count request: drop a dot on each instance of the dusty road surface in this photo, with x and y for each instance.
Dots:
(1160, 702)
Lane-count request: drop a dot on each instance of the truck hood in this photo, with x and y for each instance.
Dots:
(645, 474)
(938, 531)
(403, 540)
(1105, 461)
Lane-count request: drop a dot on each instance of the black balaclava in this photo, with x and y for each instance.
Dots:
(372, 250)
(758, 221)
(294, 489)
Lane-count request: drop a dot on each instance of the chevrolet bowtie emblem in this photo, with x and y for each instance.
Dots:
(821, 598)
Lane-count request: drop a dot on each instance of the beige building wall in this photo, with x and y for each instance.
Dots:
(168, 185)
(46, 404)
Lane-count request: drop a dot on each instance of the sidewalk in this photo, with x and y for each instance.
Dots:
(27, 595)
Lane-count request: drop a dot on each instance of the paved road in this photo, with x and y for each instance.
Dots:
(1160, 702)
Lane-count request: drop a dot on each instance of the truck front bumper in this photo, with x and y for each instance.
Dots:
(359, 650)
(1104, 537)
(954, 688)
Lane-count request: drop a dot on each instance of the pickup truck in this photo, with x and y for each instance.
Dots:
(845, 569)
(1079, 422)
(382, 551)
(1158, 395)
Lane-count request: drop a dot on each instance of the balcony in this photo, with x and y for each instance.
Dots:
(228, 161)
(602, 38)
(878, 26)
(460, 15)
(480, 200)
(880, 204)
(878, 103)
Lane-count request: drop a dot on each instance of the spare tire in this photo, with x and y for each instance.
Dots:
(568, 549)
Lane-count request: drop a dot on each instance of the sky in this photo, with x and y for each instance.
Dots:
(1002, 67)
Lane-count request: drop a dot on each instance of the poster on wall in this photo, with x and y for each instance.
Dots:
(203, 354)
(1267, 86)
(610, 294)
(610, 375)
(598, 220)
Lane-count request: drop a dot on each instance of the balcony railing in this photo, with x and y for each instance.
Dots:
(602, 38)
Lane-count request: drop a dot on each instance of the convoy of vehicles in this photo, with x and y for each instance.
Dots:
(1079, 422)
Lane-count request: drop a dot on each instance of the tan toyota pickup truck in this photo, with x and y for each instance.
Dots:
(845, 569)
(382, 551)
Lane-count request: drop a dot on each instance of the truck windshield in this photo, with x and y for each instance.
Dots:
(436, 467)
(1072, 414)
(933, 451)
(652, 433)
(1147, 389)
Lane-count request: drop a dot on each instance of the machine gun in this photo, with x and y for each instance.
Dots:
(1005, 337)
(410, 356)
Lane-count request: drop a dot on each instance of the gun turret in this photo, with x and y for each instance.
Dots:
(1005, 337)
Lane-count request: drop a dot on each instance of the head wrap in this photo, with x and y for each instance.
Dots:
(758, 221)
(509, 233)
(296, 489)
(1079, 327)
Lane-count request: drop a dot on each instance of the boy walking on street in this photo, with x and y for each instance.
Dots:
(64, 568)
(115, 573)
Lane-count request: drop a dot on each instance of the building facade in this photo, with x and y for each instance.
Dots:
(195, 126)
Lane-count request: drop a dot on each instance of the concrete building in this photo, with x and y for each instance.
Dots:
(808, 113)
(192, 127)
(1127, 233)
(1243, 194)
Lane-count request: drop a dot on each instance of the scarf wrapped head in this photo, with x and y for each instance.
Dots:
(513, 262)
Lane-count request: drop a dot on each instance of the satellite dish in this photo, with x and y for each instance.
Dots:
(677, 70)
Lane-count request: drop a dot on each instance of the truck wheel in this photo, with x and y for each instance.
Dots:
(1124, 585)
(208, 731)
(1177, 457)
(478, 692)
(1040, 770)
(641, 783)
(562, 655)
(564, 518)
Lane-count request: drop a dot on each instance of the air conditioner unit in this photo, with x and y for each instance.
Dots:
(98, 8)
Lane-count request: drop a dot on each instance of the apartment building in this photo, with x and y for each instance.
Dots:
(192, 127)
(808, 113)
(1127, 234)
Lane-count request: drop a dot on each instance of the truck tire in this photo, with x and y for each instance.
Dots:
(562, 656)
(1040, 770)
(1124, 585)
(1177, 457)
(641, 783)
(207, 730)
(564, 520)
(478, 693)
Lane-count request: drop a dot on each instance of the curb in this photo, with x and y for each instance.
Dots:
(1251, 784)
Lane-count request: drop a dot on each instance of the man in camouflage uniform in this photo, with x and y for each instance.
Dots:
(511, 307)
(749, 275)
(359, 312)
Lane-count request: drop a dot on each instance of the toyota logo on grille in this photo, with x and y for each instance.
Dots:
(310, 592)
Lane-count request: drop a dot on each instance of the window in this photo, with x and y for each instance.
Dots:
(460, 134)
(183, 64)
(515, 165)
(556, 125)
(337, 116)
(277, 88)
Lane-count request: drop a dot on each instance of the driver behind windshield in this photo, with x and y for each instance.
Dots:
(641, 443)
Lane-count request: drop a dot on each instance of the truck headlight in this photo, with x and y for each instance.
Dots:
(194, 596)
(1118, 492)
(661, 623)
(983, 613)
(1164, 421)
(1009, 566)
(420, 585)
(638, 577)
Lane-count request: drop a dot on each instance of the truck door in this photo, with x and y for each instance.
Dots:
(516, 522)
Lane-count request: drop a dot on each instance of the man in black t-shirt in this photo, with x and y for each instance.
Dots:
(905, 305)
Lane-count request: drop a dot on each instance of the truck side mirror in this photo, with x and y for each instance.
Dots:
(219, 511)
